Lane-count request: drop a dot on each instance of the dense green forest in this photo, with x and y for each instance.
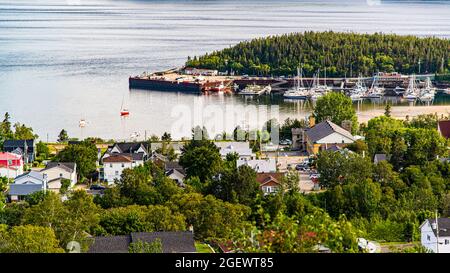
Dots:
(342, 54)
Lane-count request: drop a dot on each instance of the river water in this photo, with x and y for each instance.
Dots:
(66, 60)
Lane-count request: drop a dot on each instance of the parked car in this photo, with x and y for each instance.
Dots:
(285, 142)
(301, 167)
(97, 187)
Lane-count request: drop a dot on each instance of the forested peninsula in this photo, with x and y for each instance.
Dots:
(341, 54)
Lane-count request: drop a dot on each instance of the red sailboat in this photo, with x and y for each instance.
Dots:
(124, 111)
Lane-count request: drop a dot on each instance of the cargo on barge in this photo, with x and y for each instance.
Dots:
(177, 85)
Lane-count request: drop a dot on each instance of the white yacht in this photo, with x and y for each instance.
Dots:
(358, 91)
(254, 89)
(298, 91)
(412, 92)
(375, 91)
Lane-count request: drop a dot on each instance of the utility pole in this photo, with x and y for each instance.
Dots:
(437, 233)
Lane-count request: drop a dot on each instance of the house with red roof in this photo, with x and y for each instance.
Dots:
(11, 165)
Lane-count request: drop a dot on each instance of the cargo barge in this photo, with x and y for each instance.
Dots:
(180, 83)
(165, 85)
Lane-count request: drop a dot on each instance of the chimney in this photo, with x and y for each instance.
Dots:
(347, 125)
(312, 121)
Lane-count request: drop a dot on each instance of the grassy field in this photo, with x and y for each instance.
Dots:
(203, 248)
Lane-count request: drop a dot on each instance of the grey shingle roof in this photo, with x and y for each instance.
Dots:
(24, 189)
(324, 129)
(172, 242)
(173, 165)
(131, 147)
(33, 174)
(110, 244)
(444, 226)
(69, 166)
(10, 143)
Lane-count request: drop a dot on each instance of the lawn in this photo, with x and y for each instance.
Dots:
(203, 248)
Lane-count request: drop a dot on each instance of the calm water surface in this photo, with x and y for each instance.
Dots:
(61, 61)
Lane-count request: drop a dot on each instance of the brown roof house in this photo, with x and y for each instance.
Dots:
(115, 163)
(269, 182)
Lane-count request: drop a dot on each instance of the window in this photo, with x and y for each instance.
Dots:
(428, 237)
(123, 165)
(110, 165)
(60, 175)
(447, 241)
(117, 172)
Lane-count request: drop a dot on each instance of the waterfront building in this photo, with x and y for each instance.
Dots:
(326, 134)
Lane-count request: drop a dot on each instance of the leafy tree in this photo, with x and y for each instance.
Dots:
(201, 158)
(28, 239)
(336, 107)
(428, 121)
(387, 110)
(63, 136)
(65, 184)
(166, 137)
(210, 217)
(23, 133)
(69, 220)
(134, 218)
(83, 154)
(5, 129)
(236, 185)
(42, 150)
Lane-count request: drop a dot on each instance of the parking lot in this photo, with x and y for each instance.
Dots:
(286, 160)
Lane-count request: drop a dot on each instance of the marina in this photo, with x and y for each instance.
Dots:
(79, 68)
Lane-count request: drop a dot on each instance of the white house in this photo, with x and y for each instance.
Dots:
(241, 148)
(429, 235)
(114, 164)
(56, 171)
(27, 184)
(259, 165)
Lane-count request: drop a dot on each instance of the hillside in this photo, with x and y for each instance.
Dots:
(341, 53)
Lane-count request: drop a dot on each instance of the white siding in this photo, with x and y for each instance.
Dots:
(335, 138)
(428, 239)
(4, 172)
(114, 170)
(58, 172)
